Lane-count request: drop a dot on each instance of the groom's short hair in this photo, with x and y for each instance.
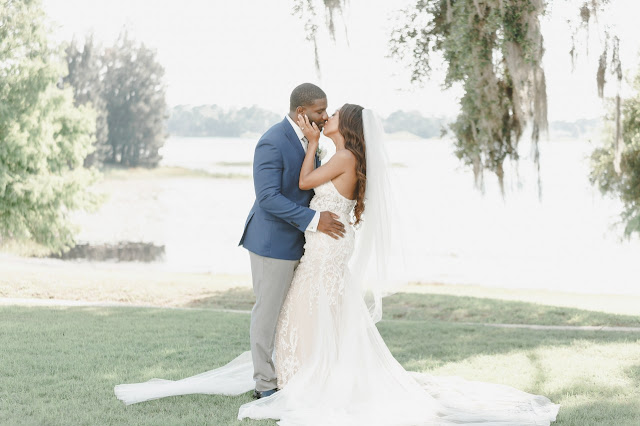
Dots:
(305, 95)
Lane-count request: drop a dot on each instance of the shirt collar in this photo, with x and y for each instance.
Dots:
(296, 128)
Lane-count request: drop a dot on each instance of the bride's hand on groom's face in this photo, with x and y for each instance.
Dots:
(310, 130)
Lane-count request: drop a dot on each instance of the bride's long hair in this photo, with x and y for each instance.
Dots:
(351, 128)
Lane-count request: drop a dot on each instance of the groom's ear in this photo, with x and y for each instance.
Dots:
(300, 110)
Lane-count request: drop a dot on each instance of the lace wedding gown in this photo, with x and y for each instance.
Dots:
(334, 368)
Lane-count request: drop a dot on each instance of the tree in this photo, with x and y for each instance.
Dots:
(44, 138)
(85, 76)
(124, 84)
(493, 48)
(626, 183)
(134, 94)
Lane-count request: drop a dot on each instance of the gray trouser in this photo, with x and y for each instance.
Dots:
(271, 281)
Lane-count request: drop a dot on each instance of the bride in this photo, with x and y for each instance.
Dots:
(332, 365)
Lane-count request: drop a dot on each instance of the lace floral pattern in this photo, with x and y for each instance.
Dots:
(321, 273)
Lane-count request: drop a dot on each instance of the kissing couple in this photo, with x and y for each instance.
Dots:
(316, 355)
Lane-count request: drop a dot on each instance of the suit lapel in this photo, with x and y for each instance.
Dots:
(293, 140)
(292, 137)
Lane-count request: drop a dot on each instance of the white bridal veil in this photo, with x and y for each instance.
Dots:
(378, 260)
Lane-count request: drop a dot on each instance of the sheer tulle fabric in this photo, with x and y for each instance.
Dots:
(335, 369)
(378, 257)
(235, 378)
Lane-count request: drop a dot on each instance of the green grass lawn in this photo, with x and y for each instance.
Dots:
(450, 308)
(59, 365)
(486, 310)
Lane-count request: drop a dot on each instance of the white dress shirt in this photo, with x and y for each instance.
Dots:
(313, 225)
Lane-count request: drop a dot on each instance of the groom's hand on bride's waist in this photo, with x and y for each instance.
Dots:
(330, 225)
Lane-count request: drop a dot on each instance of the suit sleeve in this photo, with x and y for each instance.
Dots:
(268, 166)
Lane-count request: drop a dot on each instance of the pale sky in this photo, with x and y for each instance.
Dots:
(253, 52)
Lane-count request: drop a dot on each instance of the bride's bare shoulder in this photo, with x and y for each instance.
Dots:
(347, 161)
(345, 156)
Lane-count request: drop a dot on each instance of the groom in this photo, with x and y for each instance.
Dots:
(274, 230)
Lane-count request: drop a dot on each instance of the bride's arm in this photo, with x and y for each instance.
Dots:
(337, 165)
(310, 177)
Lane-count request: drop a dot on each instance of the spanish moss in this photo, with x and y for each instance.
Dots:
(494, 49)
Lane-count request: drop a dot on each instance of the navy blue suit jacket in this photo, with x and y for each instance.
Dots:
(280, 215)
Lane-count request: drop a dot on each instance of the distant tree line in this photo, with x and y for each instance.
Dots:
(215, 121)
(123, 83)
(212, 120)
(574, 129)
(414, 122)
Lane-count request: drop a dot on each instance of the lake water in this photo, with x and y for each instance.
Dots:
(563, 241)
